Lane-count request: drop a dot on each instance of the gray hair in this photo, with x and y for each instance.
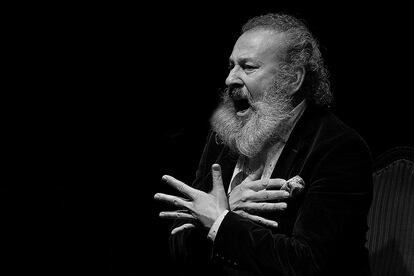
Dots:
(302, 49)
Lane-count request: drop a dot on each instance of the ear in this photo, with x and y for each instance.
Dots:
(297, 80)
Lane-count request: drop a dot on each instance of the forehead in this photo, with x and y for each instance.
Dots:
(262, 45)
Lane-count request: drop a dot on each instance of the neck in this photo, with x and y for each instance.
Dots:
(252, 164)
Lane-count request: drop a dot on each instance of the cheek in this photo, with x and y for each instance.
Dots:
(256, 89)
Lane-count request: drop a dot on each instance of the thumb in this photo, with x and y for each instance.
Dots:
(217, 179)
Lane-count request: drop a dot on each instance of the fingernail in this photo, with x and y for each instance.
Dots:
(216, 167)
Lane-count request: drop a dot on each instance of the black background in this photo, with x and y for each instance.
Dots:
(109, 98)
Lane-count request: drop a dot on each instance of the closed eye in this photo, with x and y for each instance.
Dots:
(249, 68)
(244, 65)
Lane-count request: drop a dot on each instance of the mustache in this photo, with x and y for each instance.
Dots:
(236, 93)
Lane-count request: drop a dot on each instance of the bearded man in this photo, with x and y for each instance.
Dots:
(283, 186)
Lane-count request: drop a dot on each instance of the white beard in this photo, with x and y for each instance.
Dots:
(248, 136)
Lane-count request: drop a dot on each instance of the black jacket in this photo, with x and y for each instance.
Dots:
(323, 230)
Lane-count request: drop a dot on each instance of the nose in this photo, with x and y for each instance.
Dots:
(233, 79)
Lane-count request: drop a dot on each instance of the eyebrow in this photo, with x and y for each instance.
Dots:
(244, 60)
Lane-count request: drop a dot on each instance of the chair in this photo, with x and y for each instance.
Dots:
(390, 238)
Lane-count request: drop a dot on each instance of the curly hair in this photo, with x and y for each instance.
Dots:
(302, 49)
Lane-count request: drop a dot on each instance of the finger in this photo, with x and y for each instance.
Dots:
(174, 200)
(253, 207)
(257, 219)
(182, 227)
(180, 186)
(274, 183)
(176, 215)
(217, 179)
(269, 195)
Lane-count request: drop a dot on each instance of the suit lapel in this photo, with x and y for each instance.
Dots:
(296, 145)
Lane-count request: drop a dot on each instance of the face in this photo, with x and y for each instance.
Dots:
(254, 63)
(256, 103)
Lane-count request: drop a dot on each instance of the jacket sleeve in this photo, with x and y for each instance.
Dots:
(331, 218)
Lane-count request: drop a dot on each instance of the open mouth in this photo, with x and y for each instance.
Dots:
(241, 104)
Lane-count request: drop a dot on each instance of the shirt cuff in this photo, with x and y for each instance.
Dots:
(215, 227)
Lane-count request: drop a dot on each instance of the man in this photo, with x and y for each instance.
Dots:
(283, 186)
